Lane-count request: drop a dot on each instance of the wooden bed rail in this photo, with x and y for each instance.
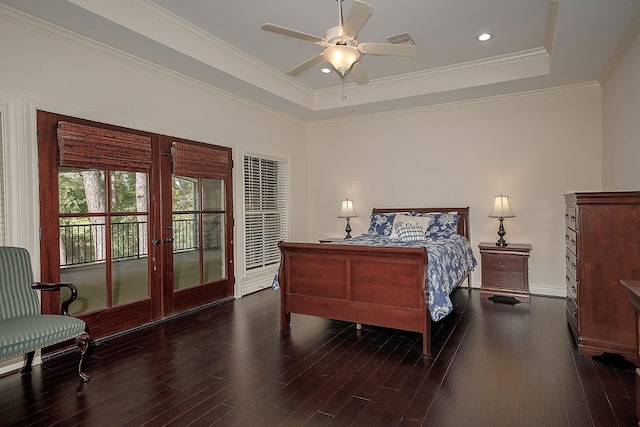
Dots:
(381, 286)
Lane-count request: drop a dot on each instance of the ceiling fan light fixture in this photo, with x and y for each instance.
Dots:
(342, 57)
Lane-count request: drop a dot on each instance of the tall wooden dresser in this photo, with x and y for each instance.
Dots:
(602, 246)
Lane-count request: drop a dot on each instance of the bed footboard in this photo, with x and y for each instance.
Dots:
(381, 286)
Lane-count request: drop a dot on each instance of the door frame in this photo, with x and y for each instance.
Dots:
(161, 303)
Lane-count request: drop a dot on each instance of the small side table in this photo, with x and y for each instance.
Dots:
(633, 286)
(505, 270)
(331, 239)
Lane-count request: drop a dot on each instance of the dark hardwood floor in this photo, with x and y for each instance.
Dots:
(492, 365)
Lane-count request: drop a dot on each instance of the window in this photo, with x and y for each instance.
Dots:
(2, 236)
(265, 208)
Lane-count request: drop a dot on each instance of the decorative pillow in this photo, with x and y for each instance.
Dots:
(409, 231)
(443, 226)
(422, 221)
(381, 224)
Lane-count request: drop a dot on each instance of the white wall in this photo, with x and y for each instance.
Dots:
(531, 148)
(621, 124)
(43, 68)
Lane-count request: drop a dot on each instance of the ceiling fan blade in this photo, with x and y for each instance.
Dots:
(295, 71)
(291, 33)
(388, 49)
(358, 16)
(359, 75)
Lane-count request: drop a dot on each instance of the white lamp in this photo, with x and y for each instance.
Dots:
(347, 211)
(342, 57)
(501, 210)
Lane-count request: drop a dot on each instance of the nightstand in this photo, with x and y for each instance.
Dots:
(331, 239)
(505, 270)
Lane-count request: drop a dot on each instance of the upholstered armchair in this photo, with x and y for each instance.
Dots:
(23, 329)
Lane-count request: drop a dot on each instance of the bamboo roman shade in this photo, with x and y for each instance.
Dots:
(92, 147)
(201, 160)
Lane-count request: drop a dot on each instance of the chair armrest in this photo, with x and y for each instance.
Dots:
(55, 287)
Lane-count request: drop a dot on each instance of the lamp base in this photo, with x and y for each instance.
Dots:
(501, 242)
(348, 230)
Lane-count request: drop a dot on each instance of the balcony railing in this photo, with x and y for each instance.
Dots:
(129, 240)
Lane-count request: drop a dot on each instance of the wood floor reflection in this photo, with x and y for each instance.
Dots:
(492, 365)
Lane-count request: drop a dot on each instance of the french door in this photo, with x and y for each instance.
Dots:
(141, 223)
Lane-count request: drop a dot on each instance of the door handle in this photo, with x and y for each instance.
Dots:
(155, 242)
(168, 239)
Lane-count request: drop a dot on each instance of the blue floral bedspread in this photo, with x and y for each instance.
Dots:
(450, 260)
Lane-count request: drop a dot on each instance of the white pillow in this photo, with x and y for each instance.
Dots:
(422, 221)
(410, 232)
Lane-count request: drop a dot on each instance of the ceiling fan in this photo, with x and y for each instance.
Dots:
(342, 48)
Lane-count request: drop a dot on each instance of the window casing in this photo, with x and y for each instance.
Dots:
(265, 209)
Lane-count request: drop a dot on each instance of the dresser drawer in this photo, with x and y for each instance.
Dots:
(504, 280)
(572, 262)
(570, 218)
(571, 239)
(504, 263)
(572, 316)
(572, 286)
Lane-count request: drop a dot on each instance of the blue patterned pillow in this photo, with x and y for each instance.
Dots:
(443, 225)
(410, 232)
(381, 224)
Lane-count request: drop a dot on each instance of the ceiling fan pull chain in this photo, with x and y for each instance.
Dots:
(344, 91)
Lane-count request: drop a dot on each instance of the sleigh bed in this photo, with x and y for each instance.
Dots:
(379, 278)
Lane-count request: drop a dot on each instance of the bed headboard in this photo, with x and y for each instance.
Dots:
(463, 213)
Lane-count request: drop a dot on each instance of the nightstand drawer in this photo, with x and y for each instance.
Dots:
(499, 279)
(502, 263)
(505, 270)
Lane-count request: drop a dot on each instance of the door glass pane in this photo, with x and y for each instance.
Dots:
(186, 254)
(184, 192)
(129, 192)
(82, 262)
(129, 267)
(212, 194)
(81, 191)
(213, 251)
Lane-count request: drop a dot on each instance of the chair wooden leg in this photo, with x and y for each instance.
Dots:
(28, 361)
(83, 344)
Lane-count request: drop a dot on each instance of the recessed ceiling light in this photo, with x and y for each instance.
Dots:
(484, 37)
(326, 70)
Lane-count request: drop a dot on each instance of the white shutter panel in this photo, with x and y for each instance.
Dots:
(2, 219)
(265, 204)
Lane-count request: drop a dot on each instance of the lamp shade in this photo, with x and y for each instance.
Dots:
(342, 57)
(501, 208)
(347, 210)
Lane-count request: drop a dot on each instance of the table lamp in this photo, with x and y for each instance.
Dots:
(347, 211)
(501, 210)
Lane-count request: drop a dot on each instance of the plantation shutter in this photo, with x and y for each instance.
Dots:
(201, 160)
(92, 147)
(2, 202)
(265, 205)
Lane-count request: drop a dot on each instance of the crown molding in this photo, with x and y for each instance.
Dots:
(52, 31)
(630, 36)
(496, 99)
(157, 24)
(518, 65)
